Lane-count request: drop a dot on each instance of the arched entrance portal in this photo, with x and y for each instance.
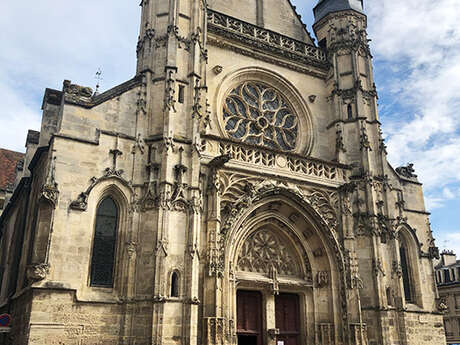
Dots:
(283, 283)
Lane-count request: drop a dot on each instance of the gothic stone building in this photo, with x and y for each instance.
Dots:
(235, 191)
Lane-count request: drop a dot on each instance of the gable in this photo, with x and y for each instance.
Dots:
(275, 15)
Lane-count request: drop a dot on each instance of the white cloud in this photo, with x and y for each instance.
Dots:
(48, 41)
(422, 37)
(447, 193)
(15, 118)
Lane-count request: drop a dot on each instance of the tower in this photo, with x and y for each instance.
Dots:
(234, 191)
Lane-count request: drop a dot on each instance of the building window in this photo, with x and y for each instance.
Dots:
(446, 276)
(181, 96)
(350, 111)
(174, 285)
(406, 271)
(103, 258)
(258, 114)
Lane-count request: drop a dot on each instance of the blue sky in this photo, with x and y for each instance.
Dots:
(416, 48)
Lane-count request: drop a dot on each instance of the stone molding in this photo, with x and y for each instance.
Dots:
(271, 160)
(266, 40)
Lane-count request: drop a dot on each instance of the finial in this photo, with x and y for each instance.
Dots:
(98, 78)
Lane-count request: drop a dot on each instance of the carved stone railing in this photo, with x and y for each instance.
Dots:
(272, 161)
(265, 39)
(359, 333)
(325, 334)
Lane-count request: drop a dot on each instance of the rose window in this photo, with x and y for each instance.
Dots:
(259, 115)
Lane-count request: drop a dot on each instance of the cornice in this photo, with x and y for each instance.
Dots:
(262, 56)
(81, 96)
(266, 41)
(339, 15)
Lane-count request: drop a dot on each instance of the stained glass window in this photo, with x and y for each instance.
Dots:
(258, 114)
(103, 259)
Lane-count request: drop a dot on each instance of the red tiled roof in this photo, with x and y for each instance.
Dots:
(8, 161)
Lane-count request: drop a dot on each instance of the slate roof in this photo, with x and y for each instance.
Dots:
(8, 162)
(324, 7)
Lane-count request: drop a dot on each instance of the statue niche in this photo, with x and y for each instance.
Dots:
(264, 251)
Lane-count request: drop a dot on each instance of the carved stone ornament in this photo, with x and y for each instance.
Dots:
(407, 171)
(434, 252)
(81, 203)
(237, 190)
(159, 299)
(396, 270)
(442, 306)
(273, 332)
(150, 200)
(76, 91)
(263, 251)
(218, 69)
(50, 193)
(131, 248)
(179, 201)
(322, 279)
(37, 272)
(378, 267)
(194, 301)
(263, 39)
(257, 114)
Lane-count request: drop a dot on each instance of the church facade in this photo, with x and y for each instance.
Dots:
(235, 191)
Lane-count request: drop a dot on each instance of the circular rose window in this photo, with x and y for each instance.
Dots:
(258, 114)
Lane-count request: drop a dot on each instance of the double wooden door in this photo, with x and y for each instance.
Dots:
(250, 318)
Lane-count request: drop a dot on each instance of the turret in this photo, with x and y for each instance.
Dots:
(171, 59)
(325, 7)
(340, 26)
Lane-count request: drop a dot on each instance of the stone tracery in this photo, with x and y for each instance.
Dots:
(263, 251)
(258, 114)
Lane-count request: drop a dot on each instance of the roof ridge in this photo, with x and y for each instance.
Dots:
(3, 149)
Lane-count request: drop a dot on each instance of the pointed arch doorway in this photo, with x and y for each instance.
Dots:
(267, 256)
(280, 257)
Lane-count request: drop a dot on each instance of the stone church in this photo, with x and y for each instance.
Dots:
(236, 191)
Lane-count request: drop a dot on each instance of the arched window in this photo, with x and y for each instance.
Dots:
(105, 235)
(174, 285)
(406, 272)
(350, 111)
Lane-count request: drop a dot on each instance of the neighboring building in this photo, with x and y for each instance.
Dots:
(448, 280)
(10, 162)
(235, 191)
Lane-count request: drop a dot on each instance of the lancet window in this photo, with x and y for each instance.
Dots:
(406, 272)
(104, 245)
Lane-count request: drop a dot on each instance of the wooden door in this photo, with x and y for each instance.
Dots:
(249, 322)
(287, 318)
